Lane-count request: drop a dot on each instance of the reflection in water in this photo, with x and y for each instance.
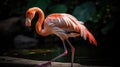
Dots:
(83, 55)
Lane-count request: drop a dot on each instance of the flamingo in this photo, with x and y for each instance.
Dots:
(62, 25)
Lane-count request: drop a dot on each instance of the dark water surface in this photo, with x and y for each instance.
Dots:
(83, 55)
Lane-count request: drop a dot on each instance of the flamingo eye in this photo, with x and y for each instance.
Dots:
(28, 14)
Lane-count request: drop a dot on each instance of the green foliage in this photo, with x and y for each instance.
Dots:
(59, 8)
(85, 12)
(38, 3)
(46, 6)
(93, 11)
(106, 28)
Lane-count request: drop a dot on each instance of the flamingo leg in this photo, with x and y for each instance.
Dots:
(59, 56)
(73, 52)
(63, 54)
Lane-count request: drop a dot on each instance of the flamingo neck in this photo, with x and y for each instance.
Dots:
(39, 23)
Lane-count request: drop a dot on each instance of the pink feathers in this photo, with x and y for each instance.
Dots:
(91, 38)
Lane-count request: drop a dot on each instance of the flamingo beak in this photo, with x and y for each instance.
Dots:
(28, 22)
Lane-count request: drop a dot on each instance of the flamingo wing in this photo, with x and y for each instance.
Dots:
(60, 21)
(68, 25)
(63, 22)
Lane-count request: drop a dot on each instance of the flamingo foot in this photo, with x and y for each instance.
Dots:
(47, 64)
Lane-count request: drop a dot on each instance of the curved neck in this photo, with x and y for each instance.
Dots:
(40, 21)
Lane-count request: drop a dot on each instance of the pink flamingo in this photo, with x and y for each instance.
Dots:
(61, 24)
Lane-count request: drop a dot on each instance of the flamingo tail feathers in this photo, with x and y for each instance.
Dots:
(84, 32)
(91, 38)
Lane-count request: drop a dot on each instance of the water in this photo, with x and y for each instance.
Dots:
(83, 55)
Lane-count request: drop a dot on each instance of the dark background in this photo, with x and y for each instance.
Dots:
(101, 17)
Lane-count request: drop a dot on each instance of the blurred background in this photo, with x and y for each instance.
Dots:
(99, 16)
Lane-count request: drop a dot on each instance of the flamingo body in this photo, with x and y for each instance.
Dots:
(61, 24)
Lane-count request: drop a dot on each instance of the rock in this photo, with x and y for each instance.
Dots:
(22, 41)
(5, 25)
(9, 28)
(20, 62)
(6, 61)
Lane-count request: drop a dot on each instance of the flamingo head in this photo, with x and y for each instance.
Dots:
(29, 16)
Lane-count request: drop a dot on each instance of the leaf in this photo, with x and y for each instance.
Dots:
(85, 11)
(39, 3)
(59, 8)
(107, 28)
